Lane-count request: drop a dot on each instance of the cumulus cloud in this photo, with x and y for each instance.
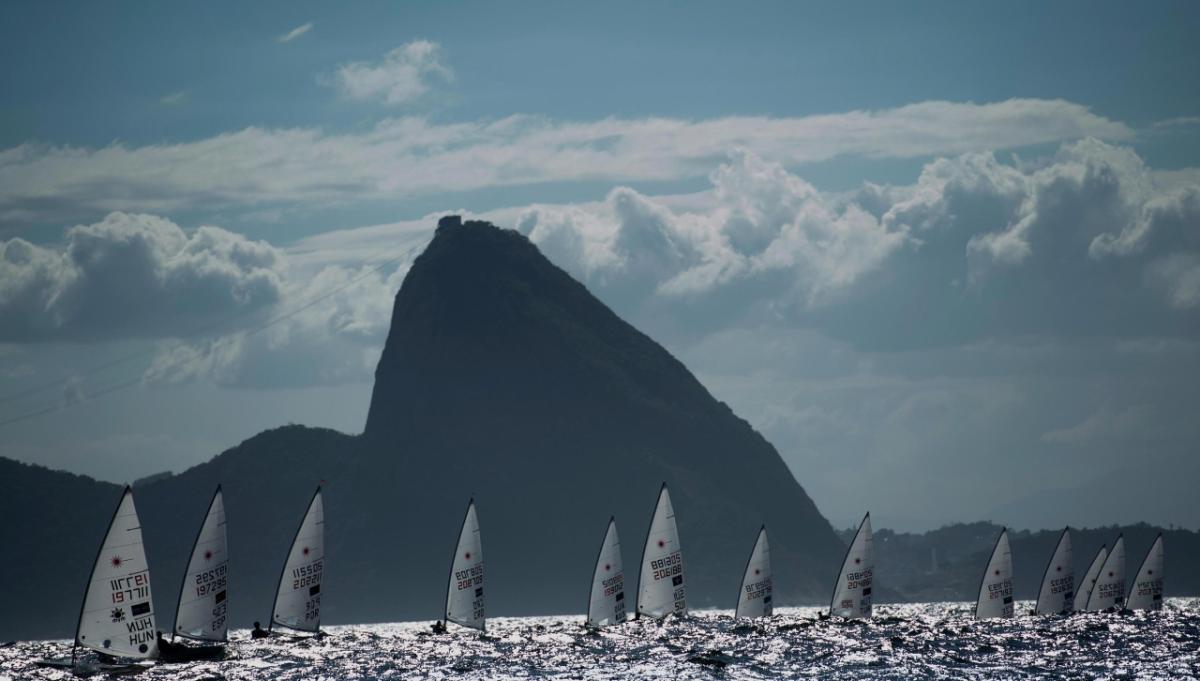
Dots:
(132, 276)
(411, 156)
(401, 76)
(295, 32)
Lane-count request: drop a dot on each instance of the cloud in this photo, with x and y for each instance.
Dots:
(173, 99)
(132, 276)
(1104, 424)
(295, 32)
(405, 157)
(401, 76)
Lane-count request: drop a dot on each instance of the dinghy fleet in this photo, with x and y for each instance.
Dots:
(117, 615)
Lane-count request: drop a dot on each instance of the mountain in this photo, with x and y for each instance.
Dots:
(503, 379)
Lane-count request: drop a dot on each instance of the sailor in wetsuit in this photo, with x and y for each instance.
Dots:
(259, 632)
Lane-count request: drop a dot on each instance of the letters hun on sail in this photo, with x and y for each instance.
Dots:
(201, 613)
(852, 592)
(298, 601)
(1089, 579)
(995, 590)
(118, 612)
(464, 595)
(1147, 590)
(606, 604)
(1109, 591)
(754, 598)
(1057, 594)
(661, 590)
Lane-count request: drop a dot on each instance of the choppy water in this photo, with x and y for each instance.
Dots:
(934, 641)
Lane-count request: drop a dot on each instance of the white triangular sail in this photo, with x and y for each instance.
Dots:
(1057, 595)
(1147, 590)
(118, 612)
(298, 600)
(1089, 579)
(995, 590)
(852, 592)
(464, 593)
(606, 603)
(661, 590)
(754, 598)
(201, 613)
(1109, 591)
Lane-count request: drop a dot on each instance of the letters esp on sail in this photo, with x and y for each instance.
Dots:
(606, 601)
(203, 597)
(1057, 593)
(661, 589)
(464, 593)
(1109, 589)
(754, 597)
(117, 617)
(298, 599)
(1146, 593)
(995, 589)
(852, 591)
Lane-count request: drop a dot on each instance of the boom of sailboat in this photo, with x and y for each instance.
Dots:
(117, 618)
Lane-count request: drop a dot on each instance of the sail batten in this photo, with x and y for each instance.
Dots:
(1057, 593)
(661, 588)
(1109, 589)
(852, 591)
(755, 595)
(202, 607)
(298, 599)
(606, 602)
(1146, 593)
(464, 591)
(117, 615)
(995, 589)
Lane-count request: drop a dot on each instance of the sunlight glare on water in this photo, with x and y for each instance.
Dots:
(931, 641)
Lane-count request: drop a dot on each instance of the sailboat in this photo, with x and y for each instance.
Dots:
(1089, 580)
(298, 599)
(1109, 591)
(1147, 590)
(852, 591)
(464, 590)
(995, 589)
(606, 602)
(1056, 597)
(116, 618)
(754, 598)
(202, 609)
(661, 590)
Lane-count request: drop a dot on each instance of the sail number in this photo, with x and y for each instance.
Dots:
(471, 577)
(667, 567)
(211, 581)
(307, 575)
(133, 587)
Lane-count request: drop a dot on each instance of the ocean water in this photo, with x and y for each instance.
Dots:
(911, 641)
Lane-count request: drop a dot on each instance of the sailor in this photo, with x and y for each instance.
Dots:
(438, 627)
(259, 632)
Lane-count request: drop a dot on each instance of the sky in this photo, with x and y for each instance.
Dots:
(945, 256)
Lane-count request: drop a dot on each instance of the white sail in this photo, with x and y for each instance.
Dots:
(464, 593)
(201, 613)
(661, 590)
(298, 600)
(995, 590)
(754, 598)
(606, 604)
(1109, 591)
(1057, 595)
(1089, 579)
(1147, 590)
(118, 612)
(852, 592)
